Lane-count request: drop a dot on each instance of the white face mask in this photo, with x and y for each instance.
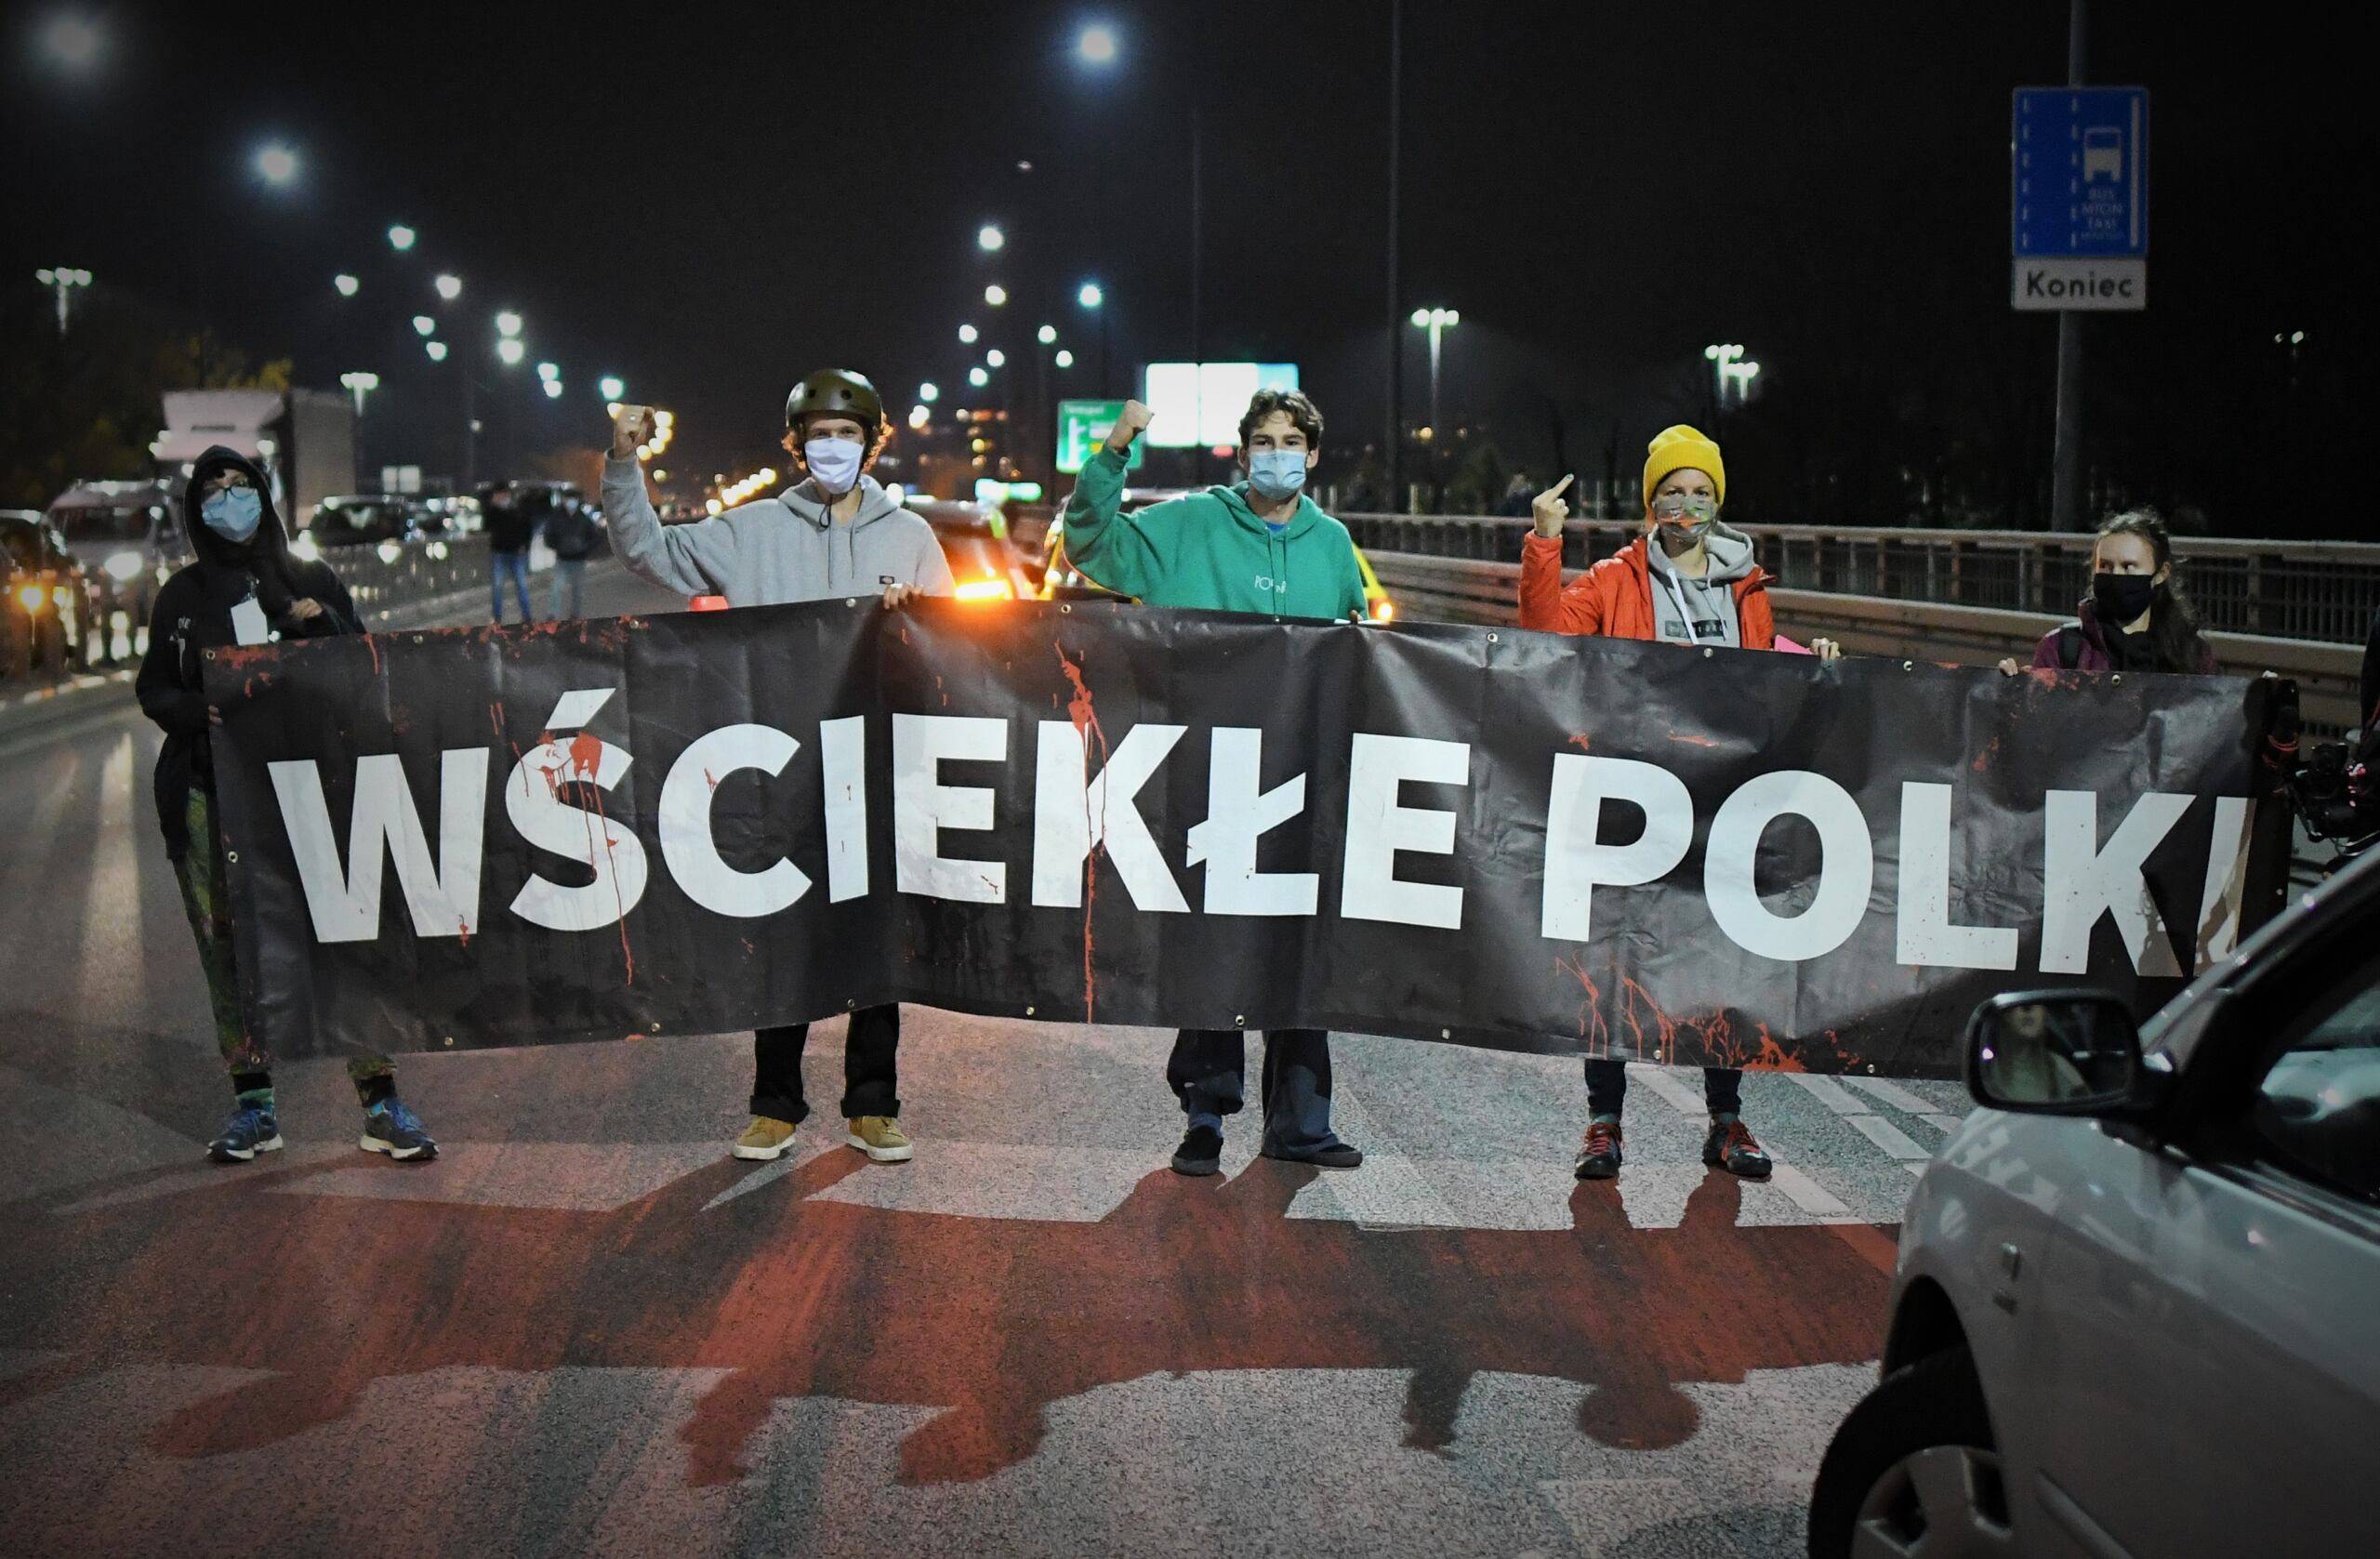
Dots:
(834, 463)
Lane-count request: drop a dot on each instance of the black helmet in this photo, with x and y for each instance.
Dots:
(836, 392)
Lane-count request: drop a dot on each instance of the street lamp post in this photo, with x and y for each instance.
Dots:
(1437, 321)
(62, 282)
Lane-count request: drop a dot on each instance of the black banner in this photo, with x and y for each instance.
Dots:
(700, 822)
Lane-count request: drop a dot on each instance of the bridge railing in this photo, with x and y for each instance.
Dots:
(2324, 591)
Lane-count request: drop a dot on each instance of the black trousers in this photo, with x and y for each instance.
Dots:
(1607, 1087)
(871, 1084)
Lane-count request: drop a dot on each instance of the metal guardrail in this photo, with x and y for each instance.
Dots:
(2323, 591)
(1478, 590)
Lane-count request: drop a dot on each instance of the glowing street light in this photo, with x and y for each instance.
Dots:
(1064, 359)
(1047, 335)
(73, 41)
(508, 324)
(1437, 321)
(346, 285)
(360, 384)
(548, 370)
(276, 164)
(613, 387)
(437, 351)
(553, 389)
(401, 238)
(1091, 297)
(425, 324)
(996, 358)
(989, 239)
(929, 393)
(995, 295)
(1096, 46)
(977, 378)
(510, 350)
(449, 287)
(63, 283)
(967, 334)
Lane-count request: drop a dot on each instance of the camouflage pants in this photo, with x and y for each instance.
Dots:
(208, 905)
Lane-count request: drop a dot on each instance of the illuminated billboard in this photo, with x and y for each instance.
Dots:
(1200, 403)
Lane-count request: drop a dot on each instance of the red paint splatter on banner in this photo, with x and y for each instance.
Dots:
(581, 761)
(371, 643)
(1578, 740)
(496, 723)
(1983, 760)
(1683, 740)
(710, 779)
(1654, 1033)
(586, 755)
(239, 657)
(1084, 712)
(466, 934)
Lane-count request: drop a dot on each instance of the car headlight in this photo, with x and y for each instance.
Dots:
(33, 597)
(306, 547)
(123, 567)
(390, 552)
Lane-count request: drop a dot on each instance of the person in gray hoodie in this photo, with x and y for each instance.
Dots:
(836, 534)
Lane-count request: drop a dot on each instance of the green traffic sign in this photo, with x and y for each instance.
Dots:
(1083, 425)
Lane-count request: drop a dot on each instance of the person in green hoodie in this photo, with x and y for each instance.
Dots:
(1258, 545)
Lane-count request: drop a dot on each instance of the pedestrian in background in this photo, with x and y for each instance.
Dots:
(245, 589)
(1516, 502)
(571, 532)
(510, 525)
(1688, 580)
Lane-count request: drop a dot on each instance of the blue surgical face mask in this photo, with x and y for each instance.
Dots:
(232, 512)
(834, 463)
(1277, 474)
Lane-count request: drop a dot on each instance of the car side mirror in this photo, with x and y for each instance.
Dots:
(2067, 1052)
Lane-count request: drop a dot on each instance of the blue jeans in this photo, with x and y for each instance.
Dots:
(502, 566)
(1208, 1073)
(570, 577)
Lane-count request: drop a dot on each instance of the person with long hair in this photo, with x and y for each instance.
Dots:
(2136, 617)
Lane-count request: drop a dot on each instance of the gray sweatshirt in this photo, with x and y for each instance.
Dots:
(774, 550)
(1711, 600)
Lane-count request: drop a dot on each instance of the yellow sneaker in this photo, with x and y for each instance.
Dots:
(880, 1137)
(763, 1139)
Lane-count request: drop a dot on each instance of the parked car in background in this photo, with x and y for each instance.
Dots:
(47, 602)
(975, 539)
(367, 520)
(127, 536)
(2137, 1304)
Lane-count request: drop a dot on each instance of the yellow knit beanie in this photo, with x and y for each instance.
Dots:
(1676, 449)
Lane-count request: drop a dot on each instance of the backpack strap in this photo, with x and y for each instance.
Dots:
(2069, 645)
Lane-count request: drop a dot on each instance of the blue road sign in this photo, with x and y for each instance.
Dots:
(2078, 173)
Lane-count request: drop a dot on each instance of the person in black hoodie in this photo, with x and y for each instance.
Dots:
(510, 525)
(245, 589)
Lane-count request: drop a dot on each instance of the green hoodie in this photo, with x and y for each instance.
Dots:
(1209, 550)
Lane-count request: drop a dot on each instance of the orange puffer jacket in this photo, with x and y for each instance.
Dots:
(1614, 597)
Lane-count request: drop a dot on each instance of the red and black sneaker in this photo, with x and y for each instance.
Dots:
(1732, 1147)
(1599, 1154)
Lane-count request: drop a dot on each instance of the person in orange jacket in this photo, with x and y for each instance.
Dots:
(1687, 580)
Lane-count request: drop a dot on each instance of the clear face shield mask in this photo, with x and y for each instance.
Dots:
(1682, 519)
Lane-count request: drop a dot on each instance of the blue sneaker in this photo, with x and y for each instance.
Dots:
(391, 1129)
(249, 1131)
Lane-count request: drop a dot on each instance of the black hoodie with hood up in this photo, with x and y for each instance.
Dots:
(193, 612)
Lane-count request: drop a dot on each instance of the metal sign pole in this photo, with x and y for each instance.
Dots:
(2066, 451)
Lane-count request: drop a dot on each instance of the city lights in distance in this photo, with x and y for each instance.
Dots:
(449, 287)
(548, 370)
(1091, 297)
(553, 389)
(1047, 334)
(1096, 46)
(977, 378)
(425, 324)
(348, 286)
(967, 333)
(1065, 358)
(73, 41)
(508, 323)
(929, 393)
(613, 387)
(437, 351)
(401, 238)
(996, 358)
(510, 350)
(989, 239)
(995, 295)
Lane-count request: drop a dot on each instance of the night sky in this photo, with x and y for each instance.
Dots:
(711, 203)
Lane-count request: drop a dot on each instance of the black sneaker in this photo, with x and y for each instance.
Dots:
(1338, 1156)
(1599, 1154)
(250, 1131)
(1202, 1152)
(391, 1129)
(1732, 1147)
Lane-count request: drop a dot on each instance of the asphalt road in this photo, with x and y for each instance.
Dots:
(583, 1330)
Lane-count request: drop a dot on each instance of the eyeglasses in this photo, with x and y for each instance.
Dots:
(223, 480)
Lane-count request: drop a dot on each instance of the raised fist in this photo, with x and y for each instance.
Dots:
(632, 427)
(1128, 426)
(1550, 509)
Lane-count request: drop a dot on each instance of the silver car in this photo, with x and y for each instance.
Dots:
(2137, 1307)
